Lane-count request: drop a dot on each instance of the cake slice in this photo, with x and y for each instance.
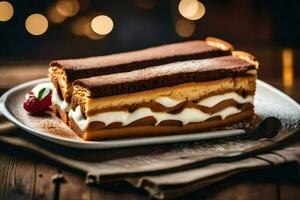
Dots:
(64, 72)
(179, 97)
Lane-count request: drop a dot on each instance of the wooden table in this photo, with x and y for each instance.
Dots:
(24, 176)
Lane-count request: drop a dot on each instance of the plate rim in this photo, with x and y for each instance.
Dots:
(279, 92)
(82, 144)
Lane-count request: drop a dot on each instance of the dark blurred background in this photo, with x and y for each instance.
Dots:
(33, 32)
(66, 30)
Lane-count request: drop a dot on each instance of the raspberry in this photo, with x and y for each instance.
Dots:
(35, 106)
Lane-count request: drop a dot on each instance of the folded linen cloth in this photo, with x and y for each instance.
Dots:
(165, 171)
(174, 185)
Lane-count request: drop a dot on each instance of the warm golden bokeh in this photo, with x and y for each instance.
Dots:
(6, 11)
(199, 13)
(191, 9)
(102, 25)
(185, 28)
(36, 24)
(82, 27)
(79, 25)
(54, 16)
(67, 8)
(287, 68)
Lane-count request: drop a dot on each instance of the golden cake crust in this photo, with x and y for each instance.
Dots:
(187, 91)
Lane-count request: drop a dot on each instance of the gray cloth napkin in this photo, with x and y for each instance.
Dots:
(165, 171)
(163, 186)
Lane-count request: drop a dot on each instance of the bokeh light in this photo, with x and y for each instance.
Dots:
(82, 27)
(199, 13)
(67, 8)
(6, 11)
(54, 16)
(36, 24)
(102, 25)
(191, 9)
(78, 26)
(91, 34)
(185, 28)
(287, 69)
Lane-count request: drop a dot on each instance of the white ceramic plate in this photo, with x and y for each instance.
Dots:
(268, 102)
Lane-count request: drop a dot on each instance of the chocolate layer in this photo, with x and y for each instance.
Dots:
(150, 121)
(166, 75)
(124, 62)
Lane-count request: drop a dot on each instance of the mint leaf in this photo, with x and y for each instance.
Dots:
(41, 93)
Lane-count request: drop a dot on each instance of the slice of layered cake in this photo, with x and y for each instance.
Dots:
(179, 97)
(64, 72)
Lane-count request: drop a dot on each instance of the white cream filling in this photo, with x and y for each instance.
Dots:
(78, 118)
(62, 104)
(214, 100)
(209, 101)
(167, 102)
(186, 116)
